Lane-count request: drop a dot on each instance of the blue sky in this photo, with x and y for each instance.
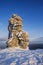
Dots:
(31, 12)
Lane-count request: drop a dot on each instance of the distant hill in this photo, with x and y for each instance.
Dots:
(3, 39)
(3, 43)
(37, 41)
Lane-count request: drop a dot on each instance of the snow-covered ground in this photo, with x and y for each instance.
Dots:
(17, 56)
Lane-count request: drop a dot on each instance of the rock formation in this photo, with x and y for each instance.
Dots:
(17, 37)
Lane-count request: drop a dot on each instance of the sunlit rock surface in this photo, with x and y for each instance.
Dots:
(17, 56)
(17, 36)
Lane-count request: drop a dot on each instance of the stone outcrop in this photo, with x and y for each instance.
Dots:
(17, 37)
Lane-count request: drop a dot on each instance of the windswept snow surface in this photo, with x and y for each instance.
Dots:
(16, 56)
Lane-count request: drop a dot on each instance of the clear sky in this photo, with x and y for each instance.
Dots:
(31, 12)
